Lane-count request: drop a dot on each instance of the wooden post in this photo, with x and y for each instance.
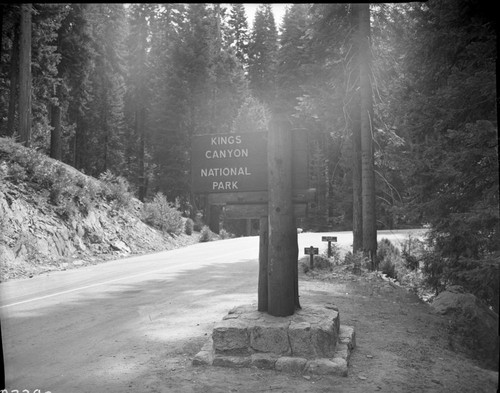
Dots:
(329, 239)
(263, 249)
(283, 249)
(311, 251)
(311, 258)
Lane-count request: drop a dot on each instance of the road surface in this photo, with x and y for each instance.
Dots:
(95, 329)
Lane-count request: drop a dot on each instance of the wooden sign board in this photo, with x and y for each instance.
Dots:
(229, 162)
(329, 238)
(258, 197)
(237, 211)
(234, 163)
(311, 250)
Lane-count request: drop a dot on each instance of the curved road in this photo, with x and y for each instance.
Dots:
(97, 326)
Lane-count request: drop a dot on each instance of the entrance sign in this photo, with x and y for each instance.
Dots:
(236, 163)
(229, 162)
(261, 175)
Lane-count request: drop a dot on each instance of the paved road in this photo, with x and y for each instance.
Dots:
(96, 327)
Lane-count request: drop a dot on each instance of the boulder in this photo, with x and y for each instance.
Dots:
(478, 321)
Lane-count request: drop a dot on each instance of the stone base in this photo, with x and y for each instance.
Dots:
(309, 341)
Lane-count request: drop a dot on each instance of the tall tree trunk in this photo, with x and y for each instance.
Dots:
(55, 134)
(283, 248)
(1, 29)
(357, 207)
(107, 137)
(14, 81)
(262, 296)
(140, 120)
(367, 169)
(79, 144)
(25, 76)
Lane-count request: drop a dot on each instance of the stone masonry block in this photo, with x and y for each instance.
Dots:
(323, 366)
(263, 361)
(230, 337)
(271, 338)
(290, 364)
(231, 361)
(343, 352)
(324, 339)
(299, 334)
(347, 335)
(203, 358)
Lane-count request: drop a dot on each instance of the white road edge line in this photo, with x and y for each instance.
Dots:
(104, 282)
(79, 288)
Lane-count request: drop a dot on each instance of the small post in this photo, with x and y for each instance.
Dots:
(311, 251)
(311, 256)
(329, 239)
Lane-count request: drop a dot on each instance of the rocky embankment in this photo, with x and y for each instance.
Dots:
(53, 217)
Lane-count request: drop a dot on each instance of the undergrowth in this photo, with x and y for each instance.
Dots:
(163, 215)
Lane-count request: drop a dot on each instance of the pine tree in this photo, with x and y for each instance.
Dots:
(141, 20)
(293, 55)
(262, 54)
(446, 108)
(238, 36)
(72, 90)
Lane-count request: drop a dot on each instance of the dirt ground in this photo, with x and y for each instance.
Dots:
(402, 346)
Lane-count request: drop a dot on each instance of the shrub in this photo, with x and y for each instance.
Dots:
(413, 250)
(60, 188)
(335, 254)
(225, 234)
(188, 227)
(46, 175)
(163, 215)
(358, 260)
(116, 188)
(388, 258)
(16, 173)
(433, 268)
(198, 222)
(321, 263)
(206, 235)
(479, 277)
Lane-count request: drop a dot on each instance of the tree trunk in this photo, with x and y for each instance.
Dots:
(283, 248)
(55, 134)
(140, 120)
(1, 29)
(367, 169)
(214, 218)
(357, 209)
(25, 76)
(14, 81)
(79, 144)
(262, 297)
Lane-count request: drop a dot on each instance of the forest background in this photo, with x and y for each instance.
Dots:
(120, 90)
